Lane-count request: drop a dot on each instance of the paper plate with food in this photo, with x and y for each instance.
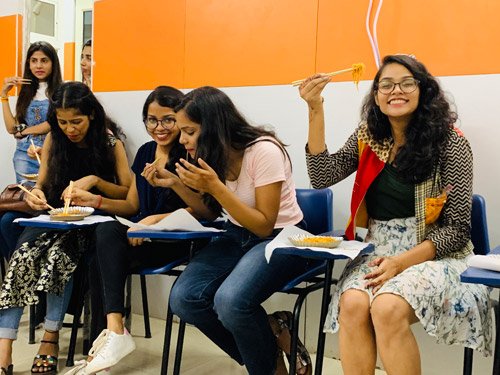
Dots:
(29, 176)
(303, 240)
(72, 213)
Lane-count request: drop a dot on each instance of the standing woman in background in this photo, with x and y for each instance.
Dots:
(42, 75)
(86, 63)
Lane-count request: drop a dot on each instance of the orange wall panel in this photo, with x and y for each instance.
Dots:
(10, 57)
(138, 45)
(69, 61)
(244, 43)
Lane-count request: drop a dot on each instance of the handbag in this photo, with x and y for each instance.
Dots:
(12, 199)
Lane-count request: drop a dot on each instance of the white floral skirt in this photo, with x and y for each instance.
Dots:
(451, 311)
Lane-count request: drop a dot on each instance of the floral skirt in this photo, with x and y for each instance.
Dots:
(43, 262)
(451, 311)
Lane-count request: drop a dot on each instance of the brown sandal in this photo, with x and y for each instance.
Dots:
(7, 371)
(281, 320)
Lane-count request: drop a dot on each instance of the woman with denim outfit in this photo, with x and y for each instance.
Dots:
(78, 149)
(246, 171)
(42, 75)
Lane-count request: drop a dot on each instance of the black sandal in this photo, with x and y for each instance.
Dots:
(283, 320)
(45, 362)
(7, 371)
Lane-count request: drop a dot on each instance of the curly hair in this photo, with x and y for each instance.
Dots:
(65, 161)
(428, 126)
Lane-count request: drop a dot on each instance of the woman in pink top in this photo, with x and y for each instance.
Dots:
(245, 171)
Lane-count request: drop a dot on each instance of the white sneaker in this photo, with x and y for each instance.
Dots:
(108, 349)
(78, 368)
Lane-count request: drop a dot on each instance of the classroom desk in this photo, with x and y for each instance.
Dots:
(330, 259)
(490, 278)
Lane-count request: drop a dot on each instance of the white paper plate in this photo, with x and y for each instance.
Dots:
(315, 241)
(74, 213)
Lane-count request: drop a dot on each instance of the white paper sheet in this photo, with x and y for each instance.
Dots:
(180, 220)
(89, 220)
(487, 262)
(350, 249)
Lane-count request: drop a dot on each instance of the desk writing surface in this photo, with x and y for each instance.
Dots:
(481, 276)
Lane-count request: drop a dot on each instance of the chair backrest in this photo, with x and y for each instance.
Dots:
(317, 206)
(479, 227)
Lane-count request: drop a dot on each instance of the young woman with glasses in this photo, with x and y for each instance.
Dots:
(413, 191)
(148, 202)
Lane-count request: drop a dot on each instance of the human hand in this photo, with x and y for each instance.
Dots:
(203, 178)
(33, 151)
(37, 201)
(157, 176)
(385, 268)
(10, 82)
(81, 197)
(310, 90)
(148, 220)
(84, 183)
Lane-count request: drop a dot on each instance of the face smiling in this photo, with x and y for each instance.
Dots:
(397, 105)
(163, 137)
(190, 132)
(73, 124)
(40, 65)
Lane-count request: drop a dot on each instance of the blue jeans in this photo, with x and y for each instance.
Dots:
(221, 291)
(56, 309)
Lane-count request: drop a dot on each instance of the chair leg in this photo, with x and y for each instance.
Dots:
(145, 307)
(166, 341)
(178, 349)
(31, 339)
(468, 356)
(128, 304)
(74, 334)
(324, 309)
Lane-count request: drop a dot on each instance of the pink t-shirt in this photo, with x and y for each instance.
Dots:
(265, 163)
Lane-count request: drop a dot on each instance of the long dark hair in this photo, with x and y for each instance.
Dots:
(63, 155)
(166, 96)
(427, 129)
(28, 92)
(223, 128)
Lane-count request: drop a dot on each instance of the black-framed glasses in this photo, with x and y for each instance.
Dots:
(166, 123)
(407, 85)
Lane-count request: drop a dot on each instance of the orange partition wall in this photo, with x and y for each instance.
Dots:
(451, 38)
(138, 45)
(243, 43)
(11, 47)
(69, 61)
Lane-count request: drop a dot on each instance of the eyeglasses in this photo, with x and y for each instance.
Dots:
(407, 85)
(166, 123)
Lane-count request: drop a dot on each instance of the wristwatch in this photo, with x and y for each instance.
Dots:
(20, 127)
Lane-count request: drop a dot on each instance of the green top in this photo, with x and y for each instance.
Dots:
(389, 197)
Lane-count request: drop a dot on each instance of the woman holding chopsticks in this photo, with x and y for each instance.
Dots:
(78, 149)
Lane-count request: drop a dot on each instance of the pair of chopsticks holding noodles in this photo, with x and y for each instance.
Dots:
(67, 201)
(356, 69)
(33, 195)
(36, 153)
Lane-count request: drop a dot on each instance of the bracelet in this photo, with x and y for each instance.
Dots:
(100, 202)
(20, 127)
(4, 98)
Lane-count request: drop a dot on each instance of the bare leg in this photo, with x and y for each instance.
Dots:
(358, 351)
(392, 317)
(5, 352)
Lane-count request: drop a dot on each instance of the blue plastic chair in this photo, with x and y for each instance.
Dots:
(317, 206)
(481, 242)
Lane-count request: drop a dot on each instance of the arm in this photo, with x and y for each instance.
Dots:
(42, 128)
(110, 189)
(8, 117)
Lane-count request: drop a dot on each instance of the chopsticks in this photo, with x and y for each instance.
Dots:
(24, 81)
(67, 201)
(36, 153)
(356, 69)
(153, 163)
(33, 195)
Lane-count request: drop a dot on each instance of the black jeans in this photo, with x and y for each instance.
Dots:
(116, 259)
